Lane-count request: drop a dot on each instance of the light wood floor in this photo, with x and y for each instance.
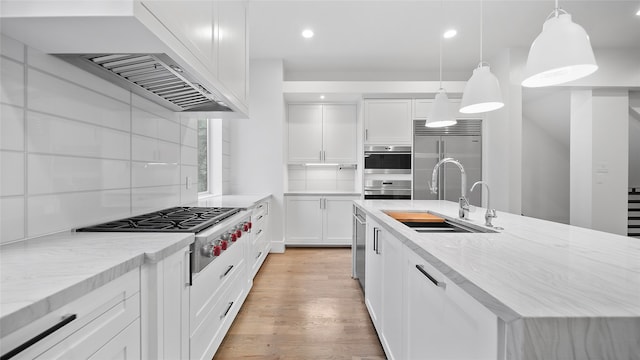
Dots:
(303, 305)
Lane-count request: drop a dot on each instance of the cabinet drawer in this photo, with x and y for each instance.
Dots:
(96, 334)
(260, 252)
(260, 209)
(104, 311)
(217, 317)
(210, 283)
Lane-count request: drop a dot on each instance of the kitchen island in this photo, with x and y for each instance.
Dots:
(558, 291)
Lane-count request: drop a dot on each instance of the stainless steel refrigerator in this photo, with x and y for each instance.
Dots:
(462, 142)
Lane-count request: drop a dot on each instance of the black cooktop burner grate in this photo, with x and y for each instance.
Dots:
(176, 219)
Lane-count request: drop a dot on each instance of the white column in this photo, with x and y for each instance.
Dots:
(599, 159)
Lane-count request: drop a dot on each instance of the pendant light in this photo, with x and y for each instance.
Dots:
(561, 53)
(482, 91)
(440, 116)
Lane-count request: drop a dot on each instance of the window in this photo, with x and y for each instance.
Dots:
(203, 156)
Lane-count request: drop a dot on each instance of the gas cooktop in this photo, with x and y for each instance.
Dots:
(176, 219)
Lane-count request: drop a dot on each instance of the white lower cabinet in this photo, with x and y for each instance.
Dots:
(259, 246)
(443, 321)
(165, 304)
(392, 299)
(319, 220)
(417, 311)
(106, 324)
(384, 287)
(373, 273)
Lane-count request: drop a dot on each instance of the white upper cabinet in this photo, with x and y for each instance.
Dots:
(421, 108)
(322, 133)
(339, 133)
(387, 122)
(233, 54)
(197, 34)
(305, 133)
(216, 31)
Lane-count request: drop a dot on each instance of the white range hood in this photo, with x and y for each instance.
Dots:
(82, 30)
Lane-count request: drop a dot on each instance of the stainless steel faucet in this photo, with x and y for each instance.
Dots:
(463, 212)
(491, 213)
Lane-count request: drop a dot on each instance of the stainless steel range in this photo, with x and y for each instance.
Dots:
(210, 240)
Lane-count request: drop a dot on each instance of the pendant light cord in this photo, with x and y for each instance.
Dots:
(441, 28)
(481, 28)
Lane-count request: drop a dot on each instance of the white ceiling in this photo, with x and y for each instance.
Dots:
(398, 40)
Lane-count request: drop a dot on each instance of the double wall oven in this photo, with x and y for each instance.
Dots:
(387, 172)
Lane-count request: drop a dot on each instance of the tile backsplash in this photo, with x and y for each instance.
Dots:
(321, 178)
(76, 150)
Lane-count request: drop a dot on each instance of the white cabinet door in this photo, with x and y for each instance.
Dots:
(232, 47)
(305, 133)
(392, 296)
(304, 220)
(339, 133)
(388, 122)
(124, 346)
(373, 272)
(338, 220)
(176, 305)
(165, 303)
(197, 34)
(444, 322)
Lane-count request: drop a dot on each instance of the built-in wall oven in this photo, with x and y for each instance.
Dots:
(387, 172)
(387, 159)
(387, 189)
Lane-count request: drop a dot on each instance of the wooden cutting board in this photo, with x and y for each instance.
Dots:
(407, 216)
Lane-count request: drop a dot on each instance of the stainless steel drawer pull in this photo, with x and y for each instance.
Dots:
(42, 335)
(226, 311)
(226, 272)
(433, 280)
(259, 218)
(258, 233)
(259, 254)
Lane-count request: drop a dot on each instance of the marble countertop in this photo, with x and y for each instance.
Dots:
(239, 201)
(322, 193)
(42, 274)
(531, 269)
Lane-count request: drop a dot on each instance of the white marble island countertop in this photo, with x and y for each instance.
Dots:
(534, 270)
(42, 274)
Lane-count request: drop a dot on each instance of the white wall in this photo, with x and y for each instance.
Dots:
(600, 159)
(76, 150)
(502, 135)
(257, 152)
(545, 174)
(634, 139)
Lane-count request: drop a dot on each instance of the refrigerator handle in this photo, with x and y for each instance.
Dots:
(443, 171)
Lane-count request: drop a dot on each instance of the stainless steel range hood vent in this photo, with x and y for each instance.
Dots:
(153, 76)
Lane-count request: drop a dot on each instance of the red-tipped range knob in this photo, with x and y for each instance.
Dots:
(217, 250)
(238, 233)
(246, 227)
(234, 237)
(224, 244)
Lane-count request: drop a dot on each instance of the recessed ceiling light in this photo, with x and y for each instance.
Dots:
(307, 33)
(322, 97)
(638, 13)
(450, 33)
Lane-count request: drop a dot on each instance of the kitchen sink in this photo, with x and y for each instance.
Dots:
(428, 222)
